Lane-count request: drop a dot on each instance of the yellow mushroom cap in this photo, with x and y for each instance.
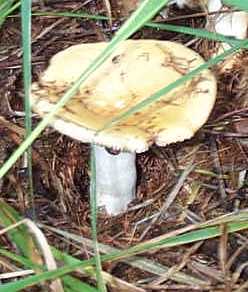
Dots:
(136, 70)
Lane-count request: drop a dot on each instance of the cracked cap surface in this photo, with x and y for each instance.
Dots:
(136, 70)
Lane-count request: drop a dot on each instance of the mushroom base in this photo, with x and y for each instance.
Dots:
(115, 180)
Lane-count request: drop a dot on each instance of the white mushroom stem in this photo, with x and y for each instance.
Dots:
(115, 179)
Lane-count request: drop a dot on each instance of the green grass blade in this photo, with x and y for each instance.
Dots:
(7, 7)
(22, 260)
(241, 4)
(19, 235)
(197, 32)
(4, 8)
(72, 283)
(71, 14)
(189, 237)
(93, 206)
(146, 10)
(27, 78)
(22, 239)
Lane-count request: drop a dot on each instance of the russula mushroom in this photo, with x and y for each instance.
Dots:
(137, 69)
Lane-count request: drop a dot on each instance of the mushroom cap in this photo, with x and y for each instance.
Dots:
(136, 70)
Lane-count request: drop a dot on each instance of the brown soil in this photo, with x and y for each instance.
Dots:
(61, 165)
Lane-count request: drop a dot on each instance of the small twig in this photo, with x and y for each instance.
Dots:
(207, 270)
(237, 252)
(225, 134)
(15, 274)
(192, 217)
(171, 197)
(176, 287)
(109, 12)
(217, 165)
(230, 114)
(237, 273)
(141, 205)
(177, 268)
(223, 249)
(244, 286)
(194, 15)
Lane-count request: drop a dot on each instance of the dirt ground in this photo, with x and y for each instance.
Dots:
(218, 184)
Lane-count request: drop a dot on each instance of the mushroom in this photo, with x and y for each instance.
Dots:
(136, 70)
(229, 23)
(232, 24)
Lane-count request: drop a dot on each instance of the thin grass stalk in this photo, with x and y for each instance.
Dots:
(7, 9)
(27, 78)
(197, 32)
(71, 14)
(93, 206)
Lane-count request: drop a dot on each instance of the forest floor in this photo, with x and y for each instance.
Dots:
(216, 186)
